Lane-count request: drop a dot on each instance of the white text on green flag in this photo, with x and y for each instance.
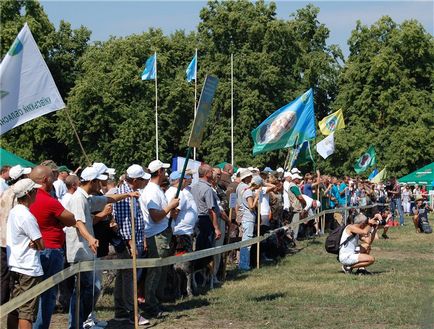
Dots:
(27, 89)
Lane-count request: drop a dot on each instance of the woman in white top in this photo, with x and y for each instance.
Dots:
(363, 229)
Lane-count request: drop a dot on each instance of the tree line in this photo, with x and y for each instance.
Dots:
(385, 87)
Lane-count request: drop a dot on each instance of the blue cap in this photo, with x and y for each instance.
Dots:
(175, 175)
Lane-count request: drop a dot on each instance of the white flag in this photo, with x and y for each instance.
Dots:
(327, 146)
(27, 89)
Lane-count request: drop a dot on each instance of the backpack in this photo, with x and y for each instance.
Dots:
(333, 242)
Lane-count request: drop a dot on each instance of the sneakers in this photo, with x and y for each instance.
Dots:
(384, 236)
(94, 323)
(363, 271)
(141, 321)
(346, 269)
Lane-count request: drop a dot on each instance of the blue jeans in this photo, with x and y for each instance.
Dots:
(245, 252)
(52, 263)
(86, 298)
(395, 203)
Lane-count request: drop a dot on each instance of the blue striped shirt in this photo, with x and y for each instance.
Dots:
(122, 213)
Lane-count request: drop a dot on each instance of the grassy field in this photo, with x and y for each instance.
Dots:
(308, 290)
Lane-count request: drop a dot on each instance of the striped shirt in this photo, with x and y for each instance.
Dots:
(122, 213)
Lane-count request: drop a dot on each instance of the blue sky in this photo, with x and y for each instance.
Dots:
(122, 18)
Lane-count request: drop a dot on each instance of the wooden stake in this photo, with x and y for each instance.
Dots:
(77, 299)
(133, 252)
(258, 229)
(78, 138)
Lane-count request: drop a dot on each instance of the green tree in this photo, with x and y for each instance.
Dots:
(386, 93)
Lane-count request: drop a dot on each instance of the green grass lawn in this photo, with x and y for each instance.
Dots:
(308, 290)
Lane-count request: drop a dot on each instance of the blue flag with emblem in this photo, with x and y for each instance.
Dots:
(150, 68)
(293, 123)
(192, 69)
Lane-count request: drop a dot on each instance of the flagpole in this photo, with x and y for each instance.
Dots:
(156, 108)
(232, 110)
(78, 137)
(195, 98)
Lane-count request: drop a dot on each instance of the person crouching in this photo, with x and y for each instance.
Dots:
(352, 256)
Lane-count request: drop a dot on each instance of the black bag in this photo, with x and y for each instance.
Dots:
(333, 241)
(425, 227)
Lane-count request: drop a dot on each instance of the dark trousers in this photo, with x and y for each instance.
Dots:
(5, 278)
(205, 238)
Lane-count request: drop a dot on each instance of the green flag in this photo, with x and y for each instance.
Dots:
(367, 160)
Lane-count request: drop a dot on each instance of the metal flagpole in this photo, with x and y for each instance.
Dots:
(156, 108)
(195, 97)
(232, 109)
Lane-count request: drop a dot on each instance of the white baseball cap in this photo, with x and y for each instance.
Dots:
(90, 173)
(295, 176)
(157, 165)
(17, 171)
(23, 186)
(295, 171)
(100, 167)
(280, 170)
(287, 174)
(136, 171)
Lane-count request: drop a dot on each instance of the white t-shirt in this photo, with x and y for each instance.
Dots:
(286, 203)
(66, 200)
(82, 205)
(188, 216)
(60, 187)
(23, 228)
(153, 198)
(3, 185)
(170, 193)
(265, 204)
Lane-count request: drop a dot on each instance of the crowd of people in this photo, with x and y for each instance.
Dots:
(52, 217)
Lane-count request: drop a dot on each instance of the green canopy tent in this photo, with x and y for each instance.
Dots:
(422, 176)
(10, 159)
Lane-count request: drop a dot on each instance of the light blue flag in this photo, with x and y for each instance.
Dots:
(373, 174)
(150, 68)
(191, 69)
(293, 123)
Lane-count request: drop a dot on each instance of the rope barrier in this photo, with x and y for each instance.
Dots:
(118, 264)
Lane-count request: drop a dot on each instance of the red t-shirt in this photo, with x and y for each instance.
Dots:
(46, 209)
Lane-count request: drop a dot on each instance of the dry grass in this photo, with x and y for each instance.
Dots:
(307, 290)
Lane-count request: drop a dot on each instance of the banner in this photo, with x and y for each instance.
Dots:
(27, 89)
(301, 155)
(203, 109)
(292, 124)
(332, 122)
(326, 147)
(367, 160)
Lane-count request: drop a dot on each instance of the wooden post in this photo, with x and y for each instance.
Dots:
(225, 255)
(77, 299)
(259, 229)
(133, 252)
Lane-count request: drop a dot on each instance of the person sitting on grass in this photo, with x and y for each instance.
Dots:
(351, 255)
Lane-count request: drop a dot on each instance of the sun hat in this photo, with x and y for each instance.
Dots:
(244, 173)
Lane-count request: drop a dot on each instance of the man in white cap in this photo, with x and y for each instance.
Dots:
(24, 241)
(7, 202)
(311, 206)
(296, 200)
(158, 232)
(81, 245)
(174, 182)
(135, 179)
